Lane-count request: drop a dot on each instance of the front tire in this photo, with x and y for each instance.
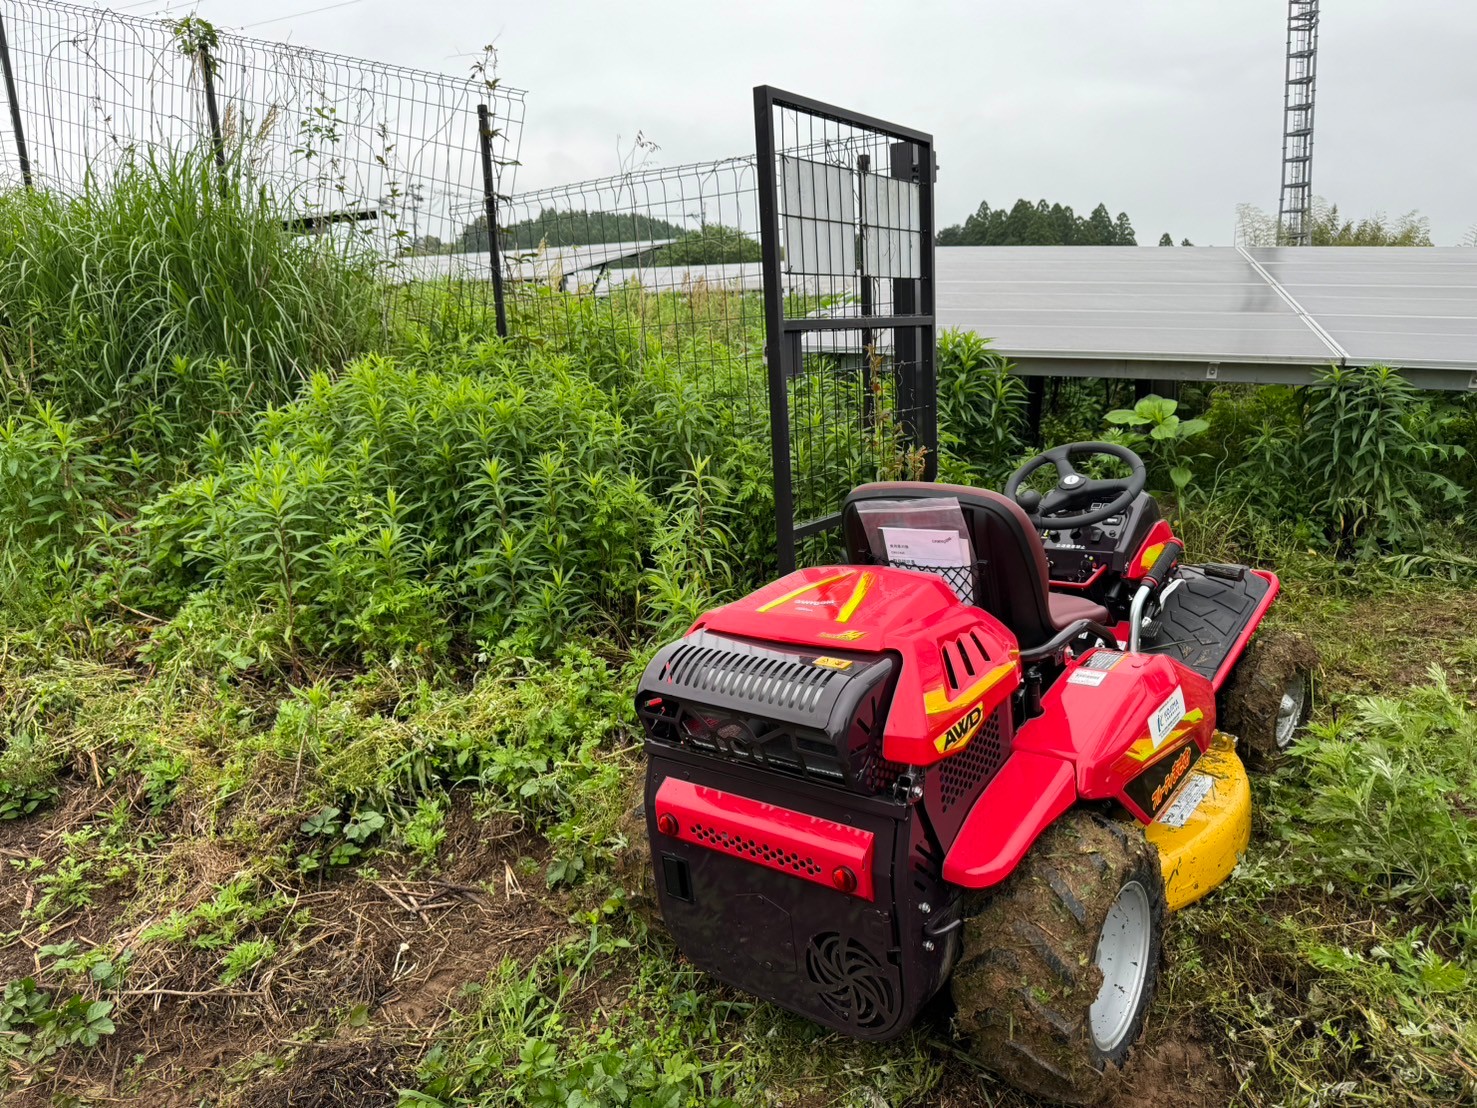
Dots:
(1269, 695)
(1061, 962)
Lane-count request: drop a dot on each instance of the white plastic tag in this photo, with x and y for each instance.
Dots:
(1163, 721)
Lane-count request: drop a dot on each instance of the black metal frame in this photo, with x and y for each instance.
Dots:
(911, 318)
(17, 125)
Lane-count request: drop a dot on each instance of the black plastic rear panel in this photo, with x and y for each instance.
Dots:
(865, 968)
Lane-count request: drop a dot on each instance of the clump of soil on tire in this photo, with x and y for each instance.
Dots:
(1253, 695)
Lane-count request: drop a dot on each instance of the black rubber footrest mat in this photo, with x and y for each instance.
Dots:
(1203, 617)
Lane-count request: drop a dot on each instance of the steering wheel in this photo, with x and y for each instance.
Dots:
(1074, 490)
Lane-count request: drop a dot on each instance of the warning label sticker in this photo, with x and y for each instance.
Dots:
(1085, 676)
(1196, 789)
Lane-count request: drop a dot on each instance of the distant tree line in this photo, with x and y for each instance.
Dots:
(711, 244)
(1039, 224)
(552, 227)
(1255, 227)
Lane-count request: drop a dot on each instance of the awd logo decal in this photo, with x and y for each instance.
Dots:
(844, 636)
(833, 663)
(961, 731)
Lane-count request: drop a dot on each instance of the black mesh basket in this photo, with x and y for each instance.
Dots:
(959, 578)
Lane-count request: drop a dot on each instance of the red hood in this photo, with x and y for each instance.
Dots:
(872, 609)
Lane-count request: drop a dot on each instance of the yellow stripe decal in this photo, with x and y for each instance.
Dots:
(1145, 749)
(803, 589)
(936, 701)
(1150, 555)
(858, 594)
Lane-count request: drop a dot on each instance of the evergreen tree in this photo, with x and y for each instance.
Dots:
(1165, 240)
(1100, 228)
(1123, 231)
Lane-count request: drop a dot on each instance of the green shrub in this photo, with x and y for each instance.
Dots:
(1366, 450)
(1161, 437)
(52, 482)
(981, 410)
(389, 507)
(1391, 802)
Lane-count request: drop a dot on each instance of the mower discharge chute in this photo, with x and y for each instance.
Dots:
(981, 755)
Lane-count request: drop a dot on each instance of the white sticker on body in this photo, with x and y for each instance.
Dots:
(1196, 789)
(1162, 722)
(1093, 677)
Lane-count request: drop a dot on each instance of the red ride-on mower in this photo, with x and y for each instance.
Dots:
(981, 755)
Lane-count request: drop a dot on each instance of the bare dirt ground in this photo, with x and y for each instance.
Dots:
(390, 951)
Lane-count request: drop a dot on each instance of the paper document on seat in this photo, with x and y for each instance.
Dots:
(925, 547)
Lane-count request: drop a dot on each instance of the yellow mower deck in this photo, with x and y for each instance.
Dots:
(1205, 829)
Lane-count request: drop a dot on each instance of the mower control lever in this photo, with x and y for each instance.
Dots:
(1074, 490)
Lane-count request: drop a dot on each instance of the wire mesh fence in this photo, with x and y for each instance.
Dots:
(660, 262)
(389, 155)
(847, 220)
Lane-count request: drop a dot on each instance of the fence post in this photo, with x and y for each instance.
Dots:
(489, 205)
(15, 108)
(207, 71)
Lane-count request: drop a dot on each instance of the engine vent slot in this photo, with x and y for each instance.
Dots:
(964, 774)
(965, 659)
(776, 857)
(756, 678)
(850, 980)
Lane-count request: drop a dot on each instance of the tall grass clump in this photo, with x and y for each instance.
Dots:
(170, 293)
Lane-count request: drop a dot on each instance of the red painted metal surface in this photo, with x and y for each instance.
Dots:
(1091, 580)
(1274, 587)
(1029, 792)
(1103, 729)
(914, 615)
(782, 839)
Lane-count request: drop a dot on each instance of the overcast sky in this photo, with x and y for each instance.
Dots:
(1170, 111)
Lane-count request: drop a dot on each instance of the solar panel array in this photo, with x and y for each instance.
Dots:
(1266, 314)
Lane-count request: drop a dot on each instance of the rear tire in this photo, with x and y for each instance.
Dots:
(1269, 696)
(1061, 962)
(633, 870)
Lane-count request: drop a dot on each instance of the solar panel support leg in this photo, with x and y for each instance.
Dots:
(1035, 403)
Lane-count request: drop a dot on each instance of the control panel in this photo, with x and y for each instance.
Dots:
(1080, 553)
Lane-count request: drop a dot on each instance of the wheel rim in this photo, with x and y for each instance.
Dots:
(1123, 958)
(1290, 711)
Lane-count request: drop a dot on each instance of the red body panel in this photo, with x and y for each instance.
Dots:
(1093, 737)
(1143, 560)
(958, 663)
(1105, 729)
(803, 846)
(1029, 792)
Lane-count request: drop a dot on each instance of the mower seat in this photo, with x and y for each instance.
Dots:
(1013, 579)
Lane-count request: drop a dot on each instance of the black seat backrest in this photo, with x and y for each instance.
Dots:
(1011, 575)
